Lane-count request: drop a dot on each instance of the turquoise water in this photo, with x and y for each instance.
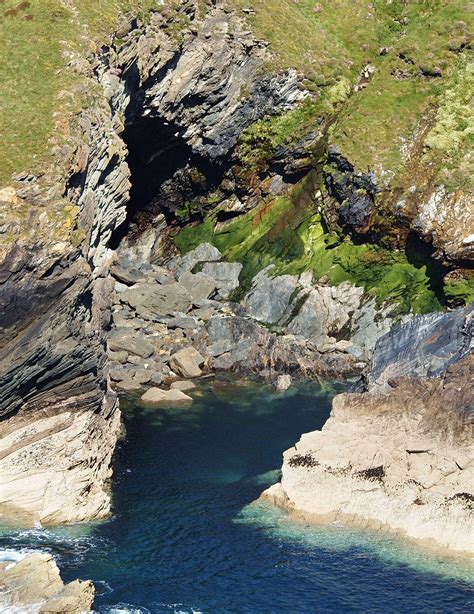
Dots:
(186, 537)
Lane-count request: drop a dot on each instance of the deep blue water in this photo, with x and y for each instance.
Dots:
(183, 537)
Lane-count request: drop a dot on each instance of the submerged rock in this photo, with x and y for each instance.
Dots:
(283, 382)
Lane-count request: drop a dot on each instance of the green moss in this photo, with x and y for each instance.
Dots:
(460, 291)
(290, 234)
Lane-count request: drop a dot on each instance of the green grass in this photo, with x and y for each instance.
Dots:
(290, 234)
(378, 121)
(35, 95)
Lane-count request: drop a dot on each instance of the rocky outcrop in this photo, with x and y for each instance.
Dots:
(199, 90)
(60, 421)
(284, 324)
(33, 584)
(398, 457)
(353, 192)
(426, 346)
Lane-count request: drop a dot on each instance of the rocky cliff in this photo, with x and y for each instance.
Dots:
(152, 129)
(398, 456)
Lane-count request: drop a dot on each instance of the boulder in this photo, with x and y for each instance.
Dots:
(157, 396)
(183, 385)
(202, 253)
(143, 376)
(125, 339)
(283, 382)
(199, 285)
(270, 297)
(187, 362)
(125, 275)
(182, 321)
(151, 300)
(225, 275)
(127, 385)
(34, 582)
(326, 311)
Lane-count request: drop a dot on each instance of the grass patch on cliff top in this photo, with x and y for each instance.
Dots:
(289, 234)
(35, 38)
(411, 80)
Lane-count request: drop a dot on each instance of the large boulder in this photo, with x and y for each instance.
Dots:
(199, 285)
(187, 362)
(225, 274)
(128, 340)
(202, 253)
(157, 396)
(152, 300)
(270, 297)
(326, 312)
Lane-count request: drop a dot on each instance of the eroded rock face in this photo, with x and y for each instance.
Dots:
(60, 420)
(398, 458)
(34, 583)
(54, 464)
(426, 346)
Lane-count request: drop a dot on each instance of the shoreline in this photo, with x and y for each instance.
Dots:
(358, 522)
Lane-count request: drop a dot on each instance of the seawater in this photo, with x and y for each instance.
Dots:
(186, 535)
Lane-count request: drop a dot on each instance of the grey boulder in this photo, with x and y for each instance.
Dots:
(270, 297)
(125, 339)
(151, 300)
(187, 362)
(225, 275)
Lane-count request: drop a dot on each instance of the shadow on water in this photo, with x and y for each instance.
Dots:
(185, 536)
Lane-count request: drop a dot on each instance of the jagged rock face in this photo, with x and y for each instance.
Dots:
(203, 87)
(398, 458)
(181, 104)
(59, 421)
(425, 347)
(33, 584)
(353, 192)
(444, 219)
(209, 87)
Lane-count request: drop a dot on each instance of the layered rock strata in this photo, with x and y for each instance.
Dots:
(398, 457)
(59, 416)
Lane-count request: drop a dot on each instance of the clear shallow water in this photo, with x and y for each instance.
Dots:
(185, 536)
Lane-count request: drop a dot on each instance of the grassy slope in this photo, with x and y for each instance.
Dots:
(33, 72)
(332, 40)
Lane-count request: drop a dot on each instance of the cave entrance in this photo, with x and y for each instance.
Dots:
(167, 177)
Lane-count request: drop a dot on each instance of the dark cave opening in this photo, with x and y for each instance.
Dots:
(167, 176)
